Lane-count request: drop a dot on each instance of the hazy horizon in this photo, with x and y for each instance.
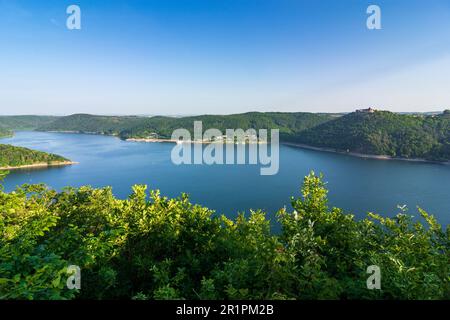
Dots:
(223, 57)
(202, 114)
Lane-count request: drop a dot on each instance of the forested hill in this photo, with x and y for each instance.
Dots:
(384, 133)
(287, 123)
(11, 156)
(86, 123)
(142, 127)
(378, 133)
(4, 132)
(17, 123)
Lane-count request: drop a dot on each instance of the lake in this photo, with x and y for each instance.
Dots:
(356, 185)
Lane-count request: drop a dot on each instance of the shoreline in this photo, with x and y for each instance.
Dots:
(80, 132)
(151, 140)
(362, 155)
(39, 165)
(292, 144)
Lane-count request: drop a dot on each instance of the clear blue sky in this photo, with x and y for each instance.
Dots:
(223, 56)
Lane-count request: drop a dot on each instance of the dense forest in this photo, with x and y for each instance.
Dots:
(11, 156)
(4, 132)
(287, 123)
(142, 127)
(424, 136)
(85, 123)
(160, 248)
(384, 133)
(18, 123)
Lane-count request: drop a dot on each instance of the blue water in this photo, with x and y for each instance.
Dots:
(356, 185)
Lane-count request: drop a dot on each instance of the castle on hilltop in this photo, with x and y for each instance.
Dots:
(369, 110)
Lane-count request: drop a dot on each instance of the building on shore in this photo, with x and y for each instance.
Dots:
(369, 110)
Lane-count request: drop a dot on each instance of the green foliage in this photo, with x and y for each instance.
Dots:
(160, 248)
(4, 132)
(379, 133)
(85, 123)
(331, 249)
(11, 156)
(11, 123)
(143, 127)
(287, 123)
(384, 133)
(28, 270)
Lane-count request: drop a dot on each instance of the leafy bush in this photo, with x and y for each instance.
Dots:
(160, 248)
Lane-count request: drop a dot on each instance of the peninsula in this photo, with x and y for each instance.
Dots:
(12, 158)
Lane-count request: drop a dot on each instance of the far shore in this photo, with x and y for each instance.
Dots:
(362, 155)
(153, 140)
(150, 140)
(40, 165)
(81, 132)
(292, 144)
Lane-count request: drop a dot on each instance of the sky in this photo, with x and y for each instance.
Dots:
(180, 57)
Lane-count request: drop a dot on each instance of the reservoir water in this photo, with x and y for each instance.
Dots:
(357, 185)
